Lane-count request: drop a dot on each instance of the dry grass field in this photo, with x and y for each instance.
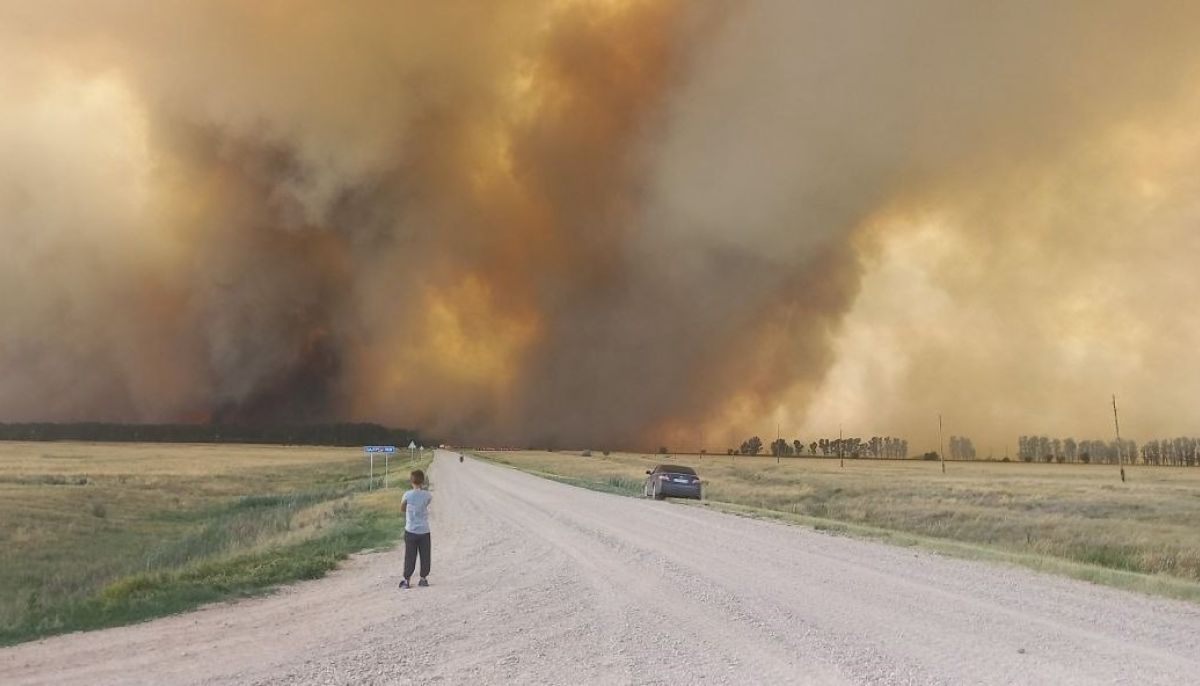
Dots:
(99, 534)
(1078, 520)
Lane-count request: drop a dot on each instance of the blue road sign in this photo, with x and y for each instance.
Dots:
(379, 448)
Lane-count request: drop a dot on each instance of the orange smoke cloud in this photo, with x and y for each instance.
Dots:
(585, 223)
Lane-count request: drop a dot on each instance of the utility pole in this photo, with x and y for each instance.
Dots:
(941, 446)
(777, 437)
(841, 448)
(1120, 450)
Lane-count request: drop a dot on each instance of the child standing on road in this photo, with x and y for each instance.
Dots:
(415, 506)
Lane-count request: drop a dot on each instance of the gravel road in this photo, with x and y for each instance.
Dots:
(538, 582)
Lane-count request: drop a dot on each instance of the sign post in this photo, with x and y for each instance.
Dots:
(370, 450)
(412, 450)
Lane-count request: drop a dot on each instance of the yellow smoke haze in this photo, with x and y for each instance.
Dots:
(600, 223)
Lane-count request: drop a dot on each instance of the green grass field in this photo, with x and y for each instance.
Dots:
(1078, 520)
(95, 535)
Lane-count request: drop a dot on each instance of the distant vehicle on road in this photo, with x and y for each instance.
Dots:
(672, 480)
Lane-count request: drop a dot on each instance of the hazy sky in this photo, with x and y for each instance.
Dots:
(602, 222)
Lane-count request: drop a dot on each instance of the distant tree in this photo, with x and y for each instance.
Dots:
(729, 451)
(662, 450)
(798, 446)
(961, 448)
(780, 446)
(812, 448)
(753, 446)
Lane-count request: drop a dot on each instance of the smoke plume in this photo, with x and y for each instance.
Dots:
(601, 222)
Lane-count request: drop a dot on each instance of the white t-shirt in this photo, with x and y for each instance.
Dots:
(416, 515)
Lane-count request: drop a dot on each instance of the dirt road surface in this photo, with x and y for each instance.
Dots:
(538, 582)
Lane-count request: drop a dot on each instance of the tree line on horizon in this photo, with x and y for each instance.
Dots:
(1174, 452)
(1045, 449)
(333, 434)
(1177, 452)
(1181, 451)
(1170, 452)
(885, 447)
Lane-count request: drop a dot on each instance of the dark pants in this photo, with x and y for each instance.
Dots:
(414, 545)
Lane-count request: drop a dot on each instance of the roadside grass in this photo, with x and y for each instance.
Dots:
(1074, 520)
(620, 485)
(133, 531)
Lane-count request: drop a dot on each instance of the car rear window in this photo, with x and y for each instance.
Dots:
(673, 469)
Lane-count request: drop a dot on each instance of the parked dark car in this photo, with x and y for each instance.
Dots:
(672, 480)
